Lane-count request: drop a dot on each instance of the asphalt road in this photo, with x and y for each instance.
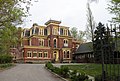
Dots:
(28, 72)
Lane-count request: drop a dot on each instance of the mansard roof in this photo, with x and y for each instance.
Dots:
(52, 21)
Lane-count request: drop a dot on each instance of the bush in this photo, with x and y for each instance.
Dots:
(49, 65)
(57, 70)
(5, 58)
(65, 71)
(5, 65)
(75, 76)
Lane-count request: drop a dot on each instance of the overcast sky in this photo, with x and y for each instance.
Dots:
(71, 13)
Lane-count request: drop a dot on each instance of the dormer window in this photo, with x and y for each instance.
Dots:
(26, 33)
(41, 31)
(36, 30)
(33, 31)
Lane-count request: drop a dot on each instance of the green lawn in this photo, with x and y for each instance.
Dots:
(93, 69)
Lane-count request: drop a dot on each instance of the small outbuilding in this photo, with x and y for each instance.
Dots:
(84, 53)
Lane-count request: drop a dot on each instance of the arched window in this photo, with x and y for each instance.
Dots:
(41, 42)
(36, 30)
(65, 43)
(33, 31)
(64, 53)
(68, 54)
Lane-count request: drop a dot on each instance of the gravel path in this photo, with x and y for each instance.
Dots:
(28, 72)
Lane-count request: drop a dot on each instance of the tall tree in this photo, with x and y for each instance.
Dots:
(8, 39)
(11, 14)
(90, 24)
(114, 8)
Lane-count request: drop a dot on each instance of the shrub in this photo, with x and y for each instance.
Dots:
(65, 71)
(75, 76)
(5, 58)
(49, 65)
(6, 65)
(57, 70)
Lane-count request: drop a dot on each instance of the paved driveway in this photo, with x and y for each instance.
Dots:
(28, 72)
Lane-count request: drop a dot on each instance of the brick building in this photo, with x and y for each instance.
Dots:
(46, 43)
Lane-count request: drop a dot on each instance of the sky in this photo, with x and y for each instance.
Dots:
(71, 13)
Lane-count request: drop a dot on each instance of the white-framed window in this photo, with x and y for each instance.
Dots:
(29, 54)
(66, 54)
(65, 42)
(41, 42)
(55, 31)
(40, 54)
(65, 32)
(34, 55)
(45, 54)
(55, 43)
(41, 31)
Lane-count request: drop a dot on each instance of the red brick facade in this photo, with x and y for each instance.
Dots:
(47, 43)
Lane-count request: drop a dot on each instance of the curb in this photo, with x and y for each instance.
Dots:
(56, 75)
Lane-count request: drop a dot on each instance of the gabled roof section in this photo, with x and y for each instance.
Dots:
(52, 21)
(84, 48)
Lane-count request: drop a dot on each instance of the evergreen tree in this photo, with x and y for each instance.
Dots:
(102, 44)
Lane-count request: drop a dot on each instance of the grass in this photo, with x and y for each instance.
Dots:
(94, 69)
(6, 66)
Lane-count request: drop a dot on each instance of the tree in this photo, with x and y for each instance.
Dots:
(103, 44)
(114, 8)
(11, 14)
(80, 36)
(90, 24)
(8, 39)
(74, 32)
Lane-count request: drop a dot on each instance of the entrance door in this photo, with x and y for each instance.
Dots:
(55, 55)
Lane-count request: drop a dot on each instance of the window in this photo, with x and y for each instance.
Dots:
(29, 54)
(41, 42)
(34, 54)
(68, 54)
(36, 30)
(40, 54)
(45, 54)
(65, 43)
(54, 31)
(41, 31)
(64, 54)
(55, 43)
(33, 31)
(61, 31)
